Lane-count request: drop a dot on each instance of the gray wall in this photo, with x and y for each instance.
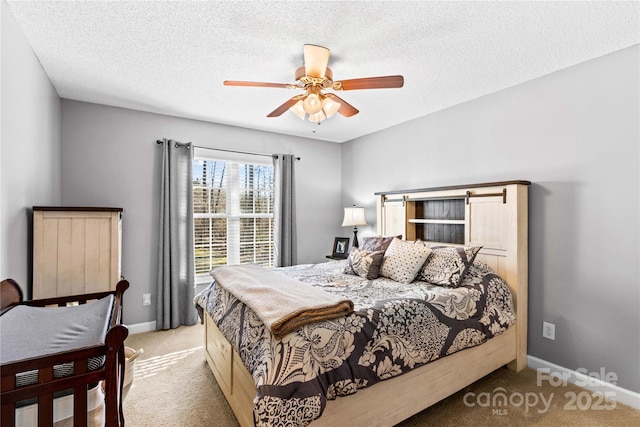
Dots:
(110, 158)
(29, 148)
(574, 134)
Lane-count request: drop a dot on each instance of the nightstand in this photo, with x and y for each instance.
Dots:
(335, 257)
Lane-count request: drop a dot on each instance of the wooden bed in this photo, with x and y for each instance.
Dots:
(493, 215)
(110, 372)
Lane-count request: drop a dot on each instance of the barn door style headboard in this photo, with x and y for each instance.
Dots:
(492, 215)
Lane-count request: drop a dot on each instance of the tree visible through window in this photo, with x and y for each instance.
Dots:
(233, 214)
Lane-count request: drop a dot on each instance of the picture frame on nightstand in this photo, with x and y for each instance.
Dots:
(340, 247)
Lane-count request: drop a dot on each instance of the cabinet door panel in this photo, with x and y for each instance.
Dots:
(393, 219)
(75, 252)
(486, 223)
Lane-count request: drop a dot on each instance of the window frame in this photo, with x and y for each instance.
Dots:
(233, 214)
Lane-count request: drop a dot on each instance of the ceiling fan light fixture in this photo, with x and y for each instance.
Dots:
(330, 107)
(298, 110)
(312, 104)
(317, 117)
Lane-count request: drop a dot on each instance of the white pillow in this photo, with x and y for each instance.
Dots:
(403, 260)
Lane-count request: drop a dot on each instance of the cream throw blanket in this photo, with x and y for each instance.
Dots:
(282, 303)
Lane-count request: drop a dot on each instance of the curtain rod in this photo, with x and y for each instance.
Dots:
(232, 151)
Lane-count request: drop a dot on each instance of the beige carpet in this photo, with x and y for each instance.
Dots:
(173, 386)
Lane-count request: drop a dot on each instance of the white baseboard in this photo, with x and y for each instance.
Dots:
(138, 328)
(598, 385)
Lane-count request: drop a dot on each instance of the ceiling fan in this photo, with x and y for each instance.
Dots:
(314, 78)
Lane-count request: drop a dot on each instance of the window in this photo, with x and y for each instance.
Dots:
(233, 213)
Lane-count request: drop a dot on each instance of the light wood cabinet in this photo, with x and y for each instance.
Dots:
(76, 250)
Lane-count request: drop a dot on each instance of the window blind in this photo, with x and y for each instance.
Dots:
(233, 214)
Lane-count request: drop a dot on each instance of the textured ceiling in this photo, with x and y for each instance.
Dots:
(172, 57)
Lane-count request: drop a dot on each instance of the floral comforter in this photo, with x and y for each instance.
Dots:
(394, 328)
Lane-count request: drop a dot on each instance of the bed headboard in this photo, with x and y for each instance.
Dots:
(492, 215)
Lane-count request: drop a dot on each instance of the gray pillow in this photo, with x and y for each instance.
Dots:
(377, 243)
(364, 263)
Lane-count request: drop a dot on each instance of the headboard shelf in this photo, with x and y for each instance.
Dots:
(436, 221)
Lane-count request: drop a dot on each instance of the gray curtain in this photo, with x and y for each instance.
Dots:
(176, 284)
(286, 247)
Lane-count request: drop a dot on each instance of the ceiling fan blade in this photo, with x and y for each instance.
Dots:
(284, 107)
(345, 109)
(255, 84)
(382, 82)
(316, 59)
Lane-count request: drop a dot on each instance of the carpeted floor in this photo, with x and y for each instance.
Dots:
(173, 386)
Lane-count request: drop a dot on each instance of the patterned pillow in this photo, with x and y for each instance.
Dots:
(403, 260)
(364, 263)
(377, 243)
(447, 265)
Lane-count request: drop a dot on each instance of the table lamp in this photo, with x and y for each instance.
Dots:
(354, 217)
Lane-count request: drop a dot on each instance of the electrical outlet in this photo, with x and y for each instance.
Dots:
(548, 330)
(146, 299)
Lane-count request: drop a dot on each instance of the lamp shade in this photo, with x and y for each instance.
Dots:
(330, 107)
(298, 110)
(353, 216)
(317, 117)
(312, 104)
